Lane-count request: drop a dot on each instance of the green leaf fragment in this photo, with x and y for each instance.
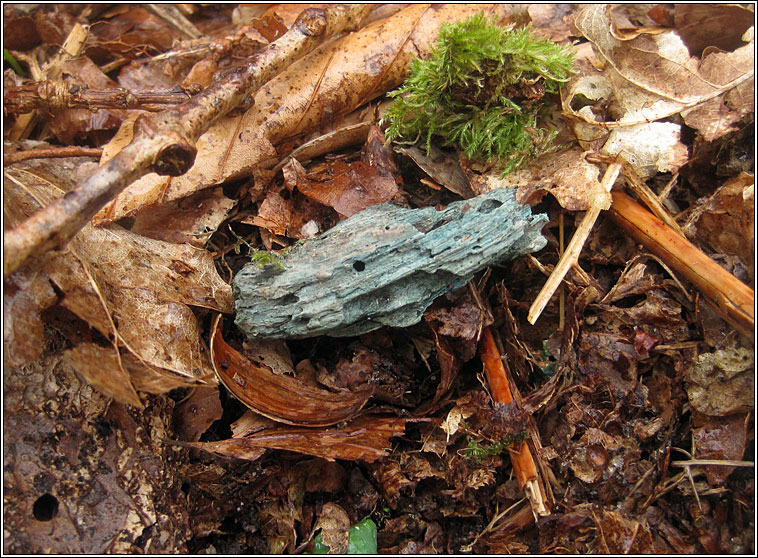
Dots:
(13, 62)
(361, 539)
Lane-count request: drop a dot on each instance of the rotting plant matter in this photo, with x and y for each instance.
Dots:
(481, 90)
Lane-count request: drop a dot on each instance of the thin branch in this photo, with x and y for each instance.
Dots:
(52, 153)
(713, 462)
(54, 95)
(523, 462)
(732, 299)
(571, 255)
(165, 142)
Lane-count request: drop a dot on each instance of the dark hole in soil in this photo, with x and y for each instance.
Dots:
(45, 507)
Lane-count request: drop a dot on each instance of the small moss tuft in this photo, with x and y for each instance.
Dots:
(480, 90)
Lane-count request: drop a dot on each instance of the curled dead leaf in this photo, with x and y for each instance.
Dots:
(281, 398)
(364, 439)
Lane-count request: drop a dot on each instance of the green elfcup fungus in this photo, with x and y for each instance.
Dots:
(481, 89)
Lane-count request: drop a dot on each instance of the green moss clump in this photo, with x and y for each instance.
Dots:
(480, 90)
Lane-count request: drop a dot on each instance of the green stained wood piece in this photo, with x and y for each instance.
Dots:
(382, 267)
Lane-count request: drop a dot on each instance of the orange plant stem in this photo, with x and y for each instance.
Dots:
(523, 462)
(733, 300)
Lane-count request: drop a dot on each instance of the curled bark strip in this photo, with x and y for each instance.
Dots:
(278, 397)
(165, 142)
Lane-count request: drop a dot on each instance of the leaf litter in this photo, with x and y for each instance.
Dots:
(634, 395)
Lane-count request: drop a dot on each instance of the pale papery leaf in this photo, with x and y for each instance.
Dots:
(565, 174)
(648, 148)
(653, 74)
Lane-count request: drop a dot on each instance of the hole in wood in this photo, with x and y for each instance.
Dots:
(359, 266)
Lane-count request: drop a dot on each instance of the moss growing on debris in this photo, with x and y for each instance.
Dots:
(481, 90)
(475, 452)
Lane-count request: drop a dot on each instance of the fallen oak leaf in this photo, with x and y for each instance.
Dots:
(364, 439)
(280, 398)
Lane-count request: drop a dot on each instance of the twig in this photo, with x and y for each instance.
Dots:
(174, 17)
(732, 299)
(713, 462)
(165, 142)
(490, 526)
(53, 95)
(571, 255)
(521, 457)
(649, 198)
(52, 153)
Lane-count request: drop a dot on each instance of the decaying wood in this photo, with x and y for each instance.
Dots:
(365, 439)
(165, 142)
(383, 266)
(734, 300)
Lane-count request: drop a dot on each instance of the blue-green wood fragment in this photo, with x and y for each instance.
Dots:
(383, 266)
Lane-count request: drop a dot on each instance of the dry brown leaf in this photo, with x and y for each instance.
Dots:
(250, 423)
(312, 94)
(85, 474)
(335, 528)
(565, 174)
(720, 438)
(715, 25)
(271, 353)
(346, 187)
(191, 220)
(726, 221)
(365, 439)
(145, 284)
(25, 294)
(281, 398)
(102, 368)
(653, 74)
(195, 414)
(442, 167)
(130, 30)
(721, 383)
(650, 75)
